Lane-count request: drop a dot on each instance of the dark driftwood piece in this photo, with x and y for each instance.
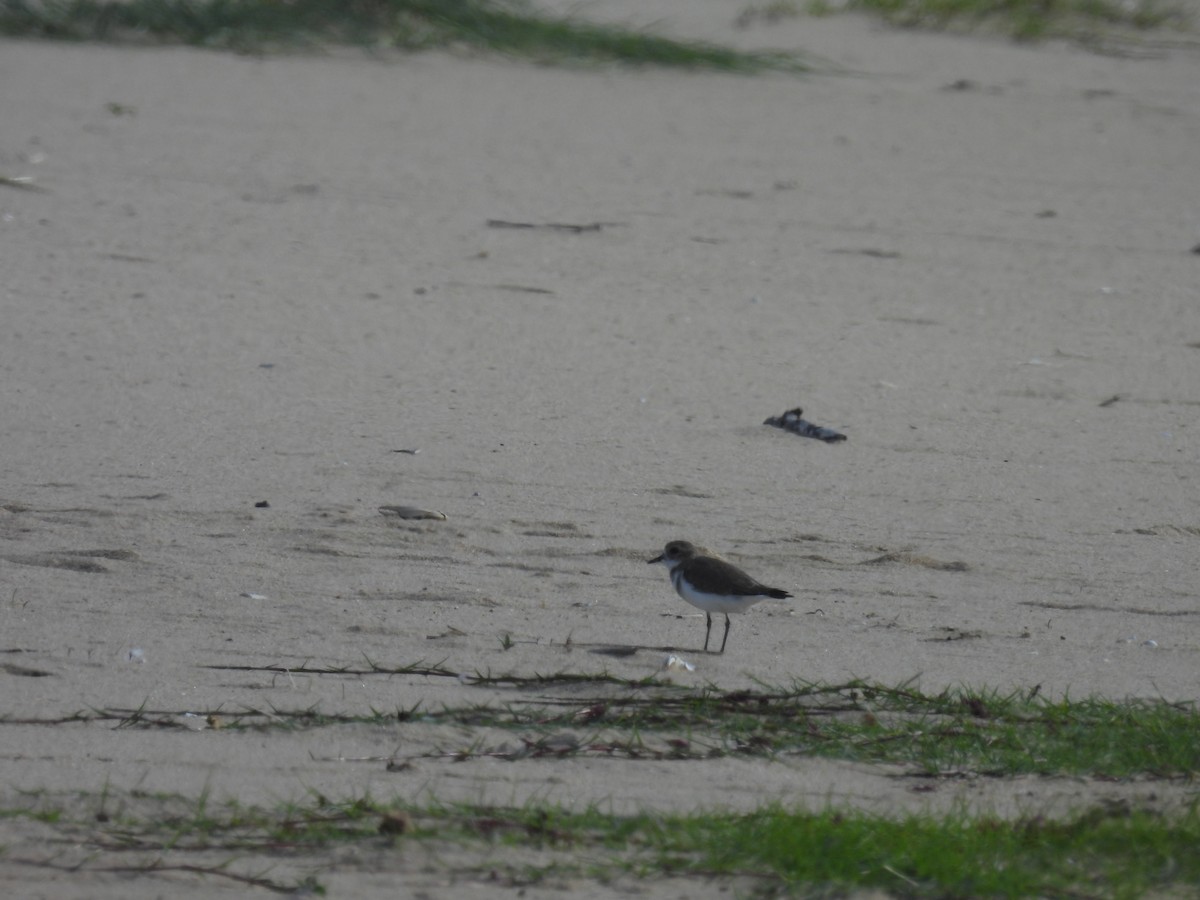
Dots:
(792, 421)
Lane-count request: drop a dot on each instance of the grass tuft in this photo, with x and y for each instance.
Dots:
(1025, 20)
(1125, 853)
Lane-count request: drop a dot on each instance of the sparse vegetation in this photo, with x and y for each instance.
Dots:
(515, 28)
(982, 733)
(1106, 852)
(1113, 849)
(508, 27)
(1022, 19)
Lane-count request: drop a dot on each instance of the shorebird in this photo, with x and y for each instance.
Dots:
(712, 584)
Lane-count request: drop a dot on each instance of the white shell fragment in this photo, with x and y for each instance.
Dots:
(1149, 644)
(253, 596)
(412, 512)
(677, 664)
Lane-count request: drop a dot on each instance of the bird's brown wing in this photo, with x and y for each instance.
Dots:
(705, 572)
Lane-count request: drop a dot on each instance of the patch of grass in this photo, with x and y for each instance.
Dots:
(1022, 19)
(950, 733)
(507, 27)
(1122, 853)
(1111, 852)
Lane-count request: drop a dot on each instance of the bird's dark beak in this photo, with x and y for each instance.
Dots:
(656, 559)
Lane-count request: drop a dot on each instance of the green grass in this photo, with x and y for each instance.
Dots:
(1113, 849)
(1122, 854)
(1102, 852)
(1022, 19)
(954, 732)
(515, 28)
(507, 27)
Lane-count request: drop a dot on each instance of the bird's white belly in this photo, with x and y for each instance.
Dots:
(715, 603)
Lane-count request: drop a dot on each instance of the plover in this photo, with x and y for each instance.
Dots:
(713, 585)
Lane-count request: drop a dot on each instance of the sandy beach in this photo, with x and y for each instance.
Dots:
(254, 300)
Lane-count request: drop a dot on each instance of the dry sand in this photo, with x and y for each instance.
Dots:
(256, 280)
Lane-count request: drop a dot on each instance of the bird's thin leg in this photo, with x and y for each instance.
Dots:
(707, 629)
(726, 637)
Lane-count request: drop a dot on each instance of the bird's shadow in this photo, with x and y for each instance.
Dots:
(621, 651)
